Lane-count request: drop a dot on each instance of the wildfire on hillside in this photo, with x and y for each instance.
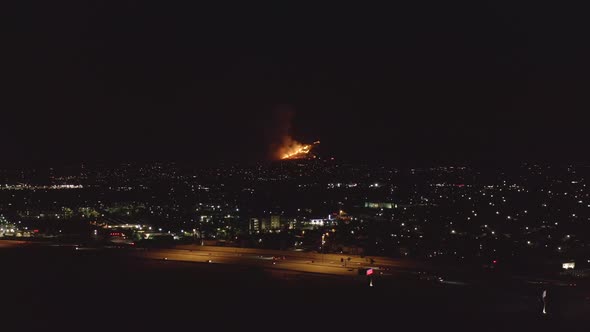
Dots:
(292, 149)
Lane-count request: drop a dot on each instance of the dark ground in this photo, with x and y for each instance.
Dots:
(60, 288)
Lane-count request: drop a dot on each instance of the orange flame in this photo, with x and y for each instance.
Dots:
(292, 149)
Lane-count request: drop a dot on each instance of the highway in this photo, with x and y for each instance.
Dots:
(269, 259)
(265, 261)
(275, 259)
(12, 243)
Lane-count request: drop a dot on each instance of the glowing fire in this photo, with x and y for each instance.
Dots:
(295, 150)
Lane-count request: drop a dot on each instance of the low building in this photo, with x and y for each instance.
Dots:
(380, 205)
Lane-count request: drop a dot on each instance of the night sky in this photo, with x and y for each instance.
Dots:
(419, 83)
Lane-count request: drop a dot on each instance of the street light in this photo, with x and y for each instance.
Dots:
(324, 242)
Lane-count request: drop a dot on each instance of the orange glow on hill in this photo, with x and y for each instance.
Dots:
(295, 150)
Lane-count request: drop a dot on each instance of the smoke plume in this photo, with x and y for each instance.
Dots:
(280, 131)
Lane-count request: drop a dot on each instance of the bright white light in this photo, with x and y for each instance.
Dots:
(568, 265)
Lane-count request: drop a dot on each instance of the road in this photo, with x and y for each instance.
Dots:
(353, 261)
(300, 264)
(12, 243)
(286, 260)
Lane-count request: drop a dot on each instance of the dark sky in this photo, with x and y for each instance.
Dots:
(430, 82)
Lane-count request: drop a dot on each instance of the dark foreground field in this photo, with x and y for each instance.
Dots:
(59, 288)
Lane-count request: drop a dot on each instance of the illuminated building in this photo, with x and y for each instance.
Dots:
(381, 205)
(275, 222)
(269, 224)
(254, 225)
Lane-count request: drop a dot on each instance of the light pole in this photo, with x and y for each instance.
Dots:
(324, 242)
(544, 297)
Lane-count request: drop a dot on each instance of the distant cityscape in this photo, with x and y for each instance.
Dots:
(530, 213)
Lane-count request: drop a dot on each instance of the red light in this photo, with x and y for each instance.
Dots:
(494, 261)
(369, 272)
(35, 231)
